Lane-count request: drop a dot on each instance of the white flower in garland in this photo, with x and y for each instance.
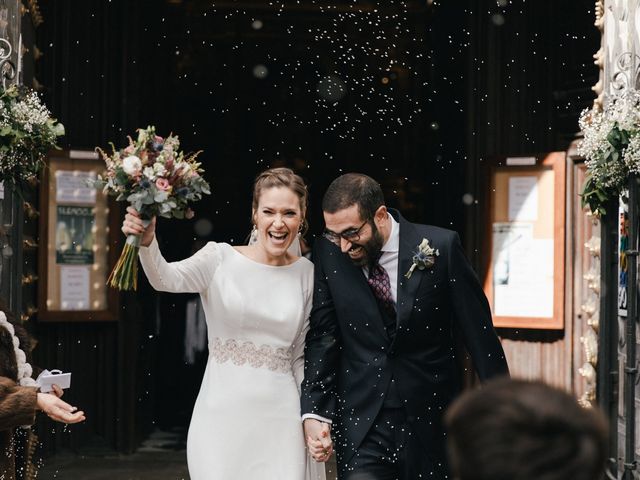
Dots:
(30, 112)
(611, 148)
(632, 154)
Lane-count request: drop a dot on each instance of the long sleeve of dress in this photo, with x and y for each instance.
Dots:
(18, 404)
(191, 275)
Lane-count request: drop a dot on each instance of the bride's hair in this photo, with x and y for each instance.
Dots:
(282, 177)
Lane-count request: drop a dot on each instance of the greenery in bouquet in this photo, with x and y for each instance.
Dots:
(611, 148)
(157, 179)
(27, 133)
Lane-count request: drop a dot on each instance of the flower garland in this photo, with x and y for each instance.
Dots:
(27, 133)
(24, 368)
(611, 148)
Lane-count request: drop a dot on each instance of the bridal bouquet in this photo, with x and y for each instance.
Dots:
(611, 148)
(157, 180)
(27, 133)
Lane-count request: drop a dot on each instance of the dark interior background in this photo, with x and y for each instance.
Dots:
(418, 95)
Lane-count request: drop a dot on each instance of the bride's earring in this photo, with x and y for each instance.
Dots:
(253, 238)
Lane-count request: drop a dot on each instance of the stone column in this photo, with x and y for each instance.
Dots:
(621, 44)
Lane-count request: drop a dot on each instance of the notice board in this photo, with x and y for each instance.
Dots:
(524, 281)
(77, 231)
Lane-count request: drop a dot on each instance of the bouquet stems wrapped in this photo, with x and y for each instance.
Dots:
(157, 179)
(124, 275)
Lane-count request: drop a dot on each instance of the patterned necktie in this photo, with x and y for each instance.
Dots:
(381, 286)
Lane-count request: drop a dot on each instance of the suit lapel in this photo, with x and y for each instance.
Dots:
(407, 287)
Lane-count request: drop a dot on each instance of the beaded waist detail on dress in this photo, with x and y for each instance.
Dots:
(245, 352)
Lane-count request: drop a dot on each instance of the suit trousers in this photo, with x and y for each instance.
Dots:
(391, 450)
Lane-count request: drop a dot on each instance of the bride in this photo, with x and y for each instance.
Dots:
(246, 421)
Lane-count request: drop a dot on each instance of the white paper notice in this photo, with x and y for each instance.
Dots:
(74, 288)
(522, 272)
(1, 190)
(72, 187)
(523, 199)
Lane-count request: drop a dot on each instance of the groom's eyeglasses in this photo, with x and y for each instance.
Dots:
(350, 234)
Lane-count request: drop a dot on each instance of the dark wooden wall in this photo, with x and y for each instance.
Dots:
(90, 82)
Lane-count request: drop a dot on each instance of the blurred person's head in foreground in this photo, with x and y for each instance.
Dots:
(521, 430)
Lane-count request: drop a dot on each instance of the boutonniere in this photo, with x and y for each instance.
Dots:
(425, 257)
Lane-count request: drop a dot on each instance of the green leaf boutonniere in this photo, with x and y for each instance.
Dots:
(425, 257)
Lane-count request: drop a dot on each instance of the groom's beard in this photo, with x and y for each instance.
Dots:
(372, 249)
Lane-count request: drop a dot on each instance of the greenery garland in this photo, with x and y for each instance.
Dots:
(611, 148)
(27, 134)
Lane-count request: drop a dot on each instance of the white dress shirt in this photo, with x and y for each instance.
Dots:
(389, 261)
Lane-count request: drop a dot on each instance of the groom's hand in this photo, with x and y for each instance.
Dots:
(319, 443)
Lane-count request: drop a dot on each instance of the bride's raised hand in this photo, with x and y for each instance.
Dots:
(132, 225)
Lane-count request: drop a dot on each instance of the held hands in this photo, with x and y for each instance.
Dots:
(132, 225)
(57, 409)
(318, 435)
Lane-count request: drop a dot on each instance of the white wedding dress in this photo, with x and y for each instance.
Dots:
(246, 422)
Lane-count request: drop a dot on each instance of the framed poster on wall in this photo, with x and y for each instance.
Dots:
(75, 242)
(524, 281)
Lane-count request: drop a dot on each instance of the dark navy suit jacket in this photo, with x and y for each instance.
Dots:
(350, 359)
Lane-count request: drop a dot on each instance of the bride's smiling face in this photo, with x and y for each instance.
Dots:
(278, 219)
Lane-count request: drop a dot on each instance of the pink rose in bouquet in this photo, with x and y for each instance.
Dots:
(163, 184)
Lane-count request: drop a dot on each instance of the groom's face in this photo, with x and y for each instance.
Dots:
(357, 237)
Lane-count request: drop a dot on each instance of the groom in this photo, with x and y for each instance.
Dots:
(380, 355)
